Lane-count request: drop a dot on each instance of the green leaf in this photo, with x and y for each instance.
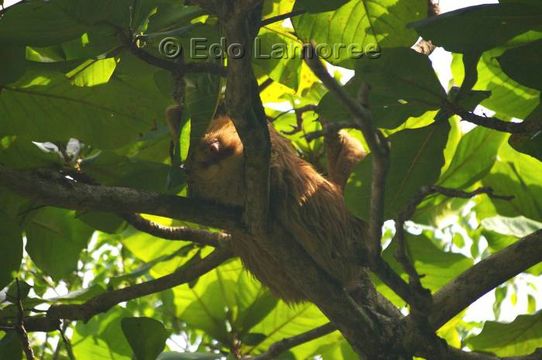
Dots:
(402, 84)
(93, 72)
(188, 356)
(146, 336)
(518, 175)
(286, 321)
(275, 56)
(319, 6)
(411, 167)
(253, 338)
(520, 337)
(39, 23)
(172, 14)
(10, 347)
(79, 296)
(55, 240)
(44, 106)
(530, 142)
(14, 64)
(201, 100)
(473, 158)
(523, 64)
(359, 28)
(11, 248)
(209, 311)
(518, 226)
(101, 338)
(255, 302)
(437, 266)
(508, 98)
(140, 174)
(479, 28)
(102, 221)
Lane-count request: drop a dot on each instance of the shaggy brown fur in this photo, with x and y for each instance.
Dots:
(306, 209)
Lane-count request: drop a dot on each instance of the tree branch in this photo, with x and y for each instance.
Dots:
(281, 17)
(285, 344)
(175, 67)
(52, 188)
(202, 237)
(103, 302)
(489, 122)
(244, 106)
(484, 276)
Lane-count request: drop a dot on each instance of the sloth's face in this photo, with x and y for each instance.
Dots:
(215, 166)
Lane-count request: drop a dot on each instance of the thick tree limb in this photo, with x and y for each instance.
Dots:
(244, 106)
(285, 344)
(484, 276)
(103, 302)
(202, 237)
(52, 188)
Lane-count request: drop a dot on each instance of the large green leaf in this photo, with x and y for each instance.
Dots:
(11, 248)
(518, 175)
(14, 64)
(436, 266)
(110, 169)
(102, 338)
(255, 302)
(520, 337)
(147, 337)
(411, 167)
(402, 84)
(530, 142)
(10, 347)
(359, 27)
(55, 239)
(39, 23)
(275, 56)
(508, 98)
(287, 321)
(479, 28)
(517, 226)
(523, 64)
(473, 158)
(45, 106)
(209, 311)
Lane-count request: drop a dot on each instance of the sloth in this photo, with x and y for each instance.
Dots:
(306, 209)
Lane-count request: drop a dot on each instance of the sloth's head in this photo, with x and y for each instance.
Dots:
(215, 165)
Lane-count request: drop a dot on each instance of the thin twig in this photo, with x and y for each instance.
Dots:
(21, 331)
(285, 344)
(489, 122)
(175, 67)
(193, 269)
(202, 237)
(298, 117)
(66, 341)
(281, 17)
